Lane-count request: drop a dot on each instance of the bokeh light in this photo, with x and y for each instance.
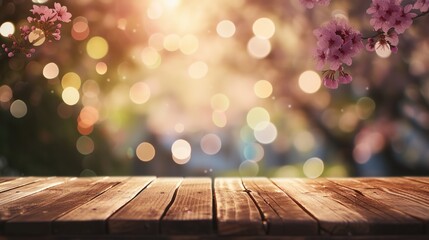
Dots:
(189, 44)
(51, 70)
(7, 28)
(225, 28)
(263, 89)
(139, 93)
(198, 70)
(264, 28)
(6, 93)
(219, 102)
(97, 47)
(313, 167)
(258, 47)
(248, 168)
(145, 151)
(151, 57)
(309, 82)
(258, 116)
(85, 145)
(382, 51)
(71, 79)
(101, 68)
(70, 96)
(37, 37)
(265, 133)
(18, 108)
(181, 151)
(210, 144)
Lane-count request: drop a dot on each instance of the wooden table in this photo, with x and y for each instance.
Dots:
(203, 208)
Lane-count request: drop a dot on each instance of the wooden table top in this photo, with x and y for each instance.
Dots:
(260, 208)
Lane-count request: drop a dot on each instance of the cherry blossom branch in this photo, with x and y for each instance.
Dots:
(338, 42)
(44, 24)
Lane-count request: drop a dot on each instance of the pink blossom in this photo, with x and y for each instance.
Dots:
(422, 5)
(389, 14)
(40, 10)
(404, 20)
(312, 3)
(329, 80)
(337, 43)
(62, 14)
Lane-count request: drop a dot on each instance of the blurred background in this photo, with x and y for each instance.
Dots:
(208, 88)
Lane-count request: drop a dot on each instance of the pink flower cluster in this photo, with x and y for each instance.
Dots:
(337, 43)
(389, 18)
(46, 21)
(312, 3)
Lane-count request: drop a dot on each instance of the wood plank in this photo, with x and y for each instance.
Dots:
(192, 209)
(341, 211)
(419, 179)
(283, 215)
(8, 185)
(29, 189)
(42, 198)
(92, 216)
(405, 186)
(5, 179)
(143, 214)
(39, 220)
(236, 212)
(405, 203)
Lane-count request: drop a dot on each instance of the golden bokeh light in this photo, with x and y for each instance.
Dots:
(258, 116)
(145, 152)
(70, 96)
(71, 79)
(36, 37)
(97, 47)
(51, 70)
(263, 89)
(264, 28)
(313, 167)
(225, 28)
(309, 82)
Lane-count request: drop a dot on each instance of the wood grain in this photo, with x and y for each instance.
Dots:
(29, 189)
(192, 209)
(341, 211)
(91, 217)
(39, 220)
(236, 213)
(143, 214)
(18, 182)
(283, 215)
